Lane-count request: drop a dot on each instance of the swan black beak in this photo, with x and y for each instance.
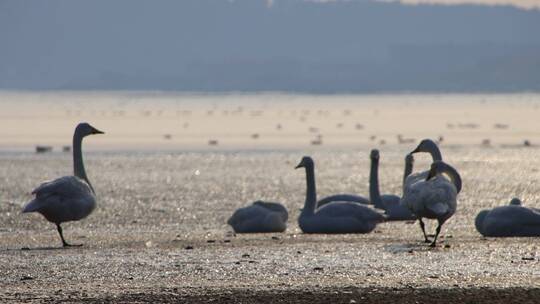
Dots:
(96, 131)
(300, 165)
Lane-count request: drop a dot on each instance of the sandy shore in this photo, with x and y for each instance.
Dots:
(160, 234)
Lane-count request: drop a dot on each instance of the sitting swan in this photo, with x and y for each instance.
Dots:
(68, 198)
(259, 217)
(334, 217)
(435, 197)
(429, 146)
(394, 211)
(514, 220)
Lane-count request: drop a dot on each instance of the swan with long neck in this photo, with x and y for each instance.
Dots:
(513, 220)
(435, 197)
(394, 211)
(333, 217)
(260, 217)
(427, 146)
(68, 198)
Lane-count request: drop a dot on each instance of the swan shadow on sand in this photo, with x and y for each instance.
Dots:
(68, 198)
(513, 220)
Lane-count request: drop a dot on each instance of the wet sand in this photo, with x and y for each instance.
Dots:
(159, 232)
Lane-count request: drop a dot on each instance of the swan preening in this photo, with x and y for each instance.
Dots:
(333, 217)
(394, 211)
(260, 217)
(513, 220)
(68, 198)
(428, 146)
(435, 197)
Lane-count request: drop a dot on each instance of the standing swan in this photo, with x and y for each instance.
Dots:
(334, 217)
(388, 202)
(259, 217)
(435, 197)
(513, 220)
(68, 198)
(429, 146)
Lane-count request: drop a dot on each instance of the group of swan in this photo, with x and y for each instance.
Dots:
(428, 194)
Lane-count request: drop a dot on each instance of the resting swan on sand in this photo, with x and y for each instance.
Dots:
(334, 217)
(68, 198)
(513, 220)
(394, 211)
(260, 217)
(435, 197)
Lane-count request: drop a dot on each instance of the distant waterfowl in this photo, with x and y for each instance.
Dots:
(435, 197)
(260, 217)
(513, 220)
(334, 217)
(394, 211)
(403, 140)
(428, 146)
(43, 149)
(68, 198)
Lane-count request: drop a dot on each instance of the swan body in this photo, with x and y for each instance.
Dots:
(68, 198)
(333, 217)
(260, 217)
(513, 220)
(394, 211)
(435, 197)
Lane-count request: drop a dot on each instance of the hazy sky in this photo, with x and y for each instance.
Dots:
(528, 4)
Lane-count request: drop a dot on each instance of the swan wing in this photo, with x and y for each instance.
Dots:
(349, 209)
(343, 198)
(66, 186)
(274, 207)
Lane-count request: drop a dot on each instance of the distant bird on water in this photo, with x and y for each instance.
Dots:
(68, 198)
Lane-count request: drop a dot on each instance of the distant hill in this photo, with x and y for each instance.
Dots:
(248, 45)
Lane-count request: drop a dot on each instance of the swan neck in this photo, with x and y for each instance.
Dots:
(78, 164)
(374, 194)
(454, 177)
(435, 153)
(311, 192)
(408, 170)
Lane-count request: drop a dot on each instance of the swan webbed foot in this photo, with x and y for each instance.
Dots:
(433, 244)
(72, 245)
(427, 241)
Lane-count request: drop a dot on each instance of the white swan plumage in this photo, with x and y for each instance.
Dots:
(434, 197)
(513, 220)
(259, 217)
(68, 198)
(334, 217)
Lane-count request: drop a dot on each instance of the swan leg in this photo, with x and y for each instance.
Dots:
(433, 244)
(64, 243)
(426, 240)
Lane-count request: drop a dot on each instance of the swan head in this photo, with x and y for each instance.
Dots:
(306, 162)
(374, 155)
(515, 202)
(426, 145)
(479, 221)
(85, 129)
